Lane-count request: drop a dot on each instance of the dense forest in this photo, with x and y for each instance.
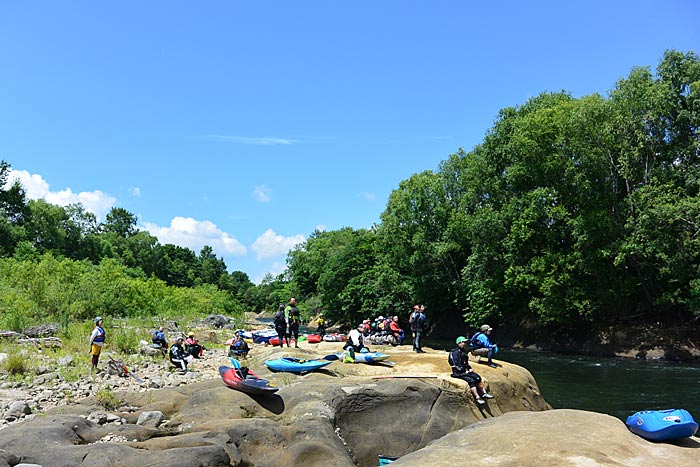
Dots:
(572, 212)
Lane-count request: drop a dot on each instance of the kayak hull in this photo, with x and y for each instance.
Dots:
(662, 425)
(295, 365)
(251, 384)
(313, 338)
(367, 357)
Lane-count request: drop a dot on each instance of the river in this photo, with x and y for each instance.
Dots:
(615, 386)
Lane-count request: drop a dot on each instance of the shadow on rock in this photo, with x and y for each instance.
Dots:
(273, 403)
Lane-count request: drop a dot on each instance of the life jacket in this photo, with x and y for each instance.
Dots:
(474, 341)
(279, 319)
(387, 325)
(418, 321)
(100, 337)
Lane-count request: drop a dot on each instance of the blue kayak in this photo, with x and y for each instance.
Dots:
(367, 357)
(295, 365)
(662, 425)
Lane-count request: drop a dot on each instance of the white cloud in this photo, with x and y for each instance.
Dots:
(254, 140)
(368, 196)
(135, 192)
(96, 202)
(272, 245)
(194, 234)
(262, 194)
(321, 228)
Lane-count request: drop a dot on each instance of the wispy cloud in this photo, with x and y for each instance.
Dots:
(262, 193)
(368, 196)
(253, 140)
(97, 202)
(194, 234)
(135, 192)
(273, 245)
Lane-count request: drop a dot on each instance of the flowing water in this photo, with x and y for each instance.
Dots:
(615, 386)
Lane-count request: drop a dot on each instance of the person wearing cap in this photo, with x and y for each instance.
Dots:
(179, 356)
(459, 361)
(193, 346)
(481, 345)
(97, 340)
(354, 343)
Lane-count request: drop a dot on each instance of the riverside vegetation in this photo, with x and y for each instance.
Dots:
(575, 215)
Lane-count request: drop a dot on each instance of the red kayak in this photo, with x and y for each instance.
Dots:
(313, 338)
(246, 380)
(276, 340)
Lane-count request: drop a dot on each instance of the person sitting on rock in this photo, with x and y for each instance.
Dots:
(239, 347)
(179, 356)
(354, 343)
(193, 346)
(481, 345)
(459, 361)
(159, 338)
(396, 330)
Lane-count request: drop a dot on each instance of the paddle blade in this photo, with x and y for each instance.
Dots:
(331, 358)
(236, 364)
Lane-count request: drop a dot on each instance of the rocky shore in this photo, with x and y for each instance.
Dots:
(344, 415)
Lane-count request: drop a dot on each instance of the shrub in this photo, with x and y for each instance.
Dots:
(107, 399)
(125, 340)
(16, 364)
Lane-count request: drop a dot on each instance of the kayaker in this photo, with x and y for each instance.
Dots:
(193, 346)
(280, 323)
(459, 361)
(159, 339)
(354, 343)
(418, 321)
(396, 330)
(239, 347)
(321, 329)
(293, 319)
(481, 345)
(179, 356)
(97, 340)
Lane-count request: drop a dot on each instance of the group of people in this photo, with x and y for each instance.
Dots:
(287, 321)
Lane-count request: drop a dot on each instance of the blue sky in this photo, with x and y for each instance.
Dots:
(247, 125)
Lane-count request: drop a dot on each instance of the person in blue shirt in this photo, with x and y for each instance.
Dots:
(481, 345)
(159, 338)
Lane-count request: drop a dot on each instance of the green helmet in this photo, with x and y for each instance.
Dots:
(461, 339)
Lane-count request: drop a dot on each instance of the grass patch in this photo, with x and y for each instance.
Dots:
(16, 364)
(107, 399)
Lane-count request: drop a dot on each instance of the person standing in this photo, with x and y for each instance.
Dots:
(418, 321)
(321, 329)
(293, 319)
(280, 323)
(459, 361)
(481, 345)
(97, 340)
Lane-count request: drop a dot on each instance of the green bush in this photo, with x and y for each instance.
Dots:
(124, 340)
(16, 364)
(107, 399)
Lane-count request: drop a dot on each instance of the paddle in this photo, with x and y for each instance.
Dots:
(331, 358)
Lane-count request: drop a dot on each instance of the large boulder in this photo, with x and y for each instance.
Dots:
(343, 415)
(565, 438)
